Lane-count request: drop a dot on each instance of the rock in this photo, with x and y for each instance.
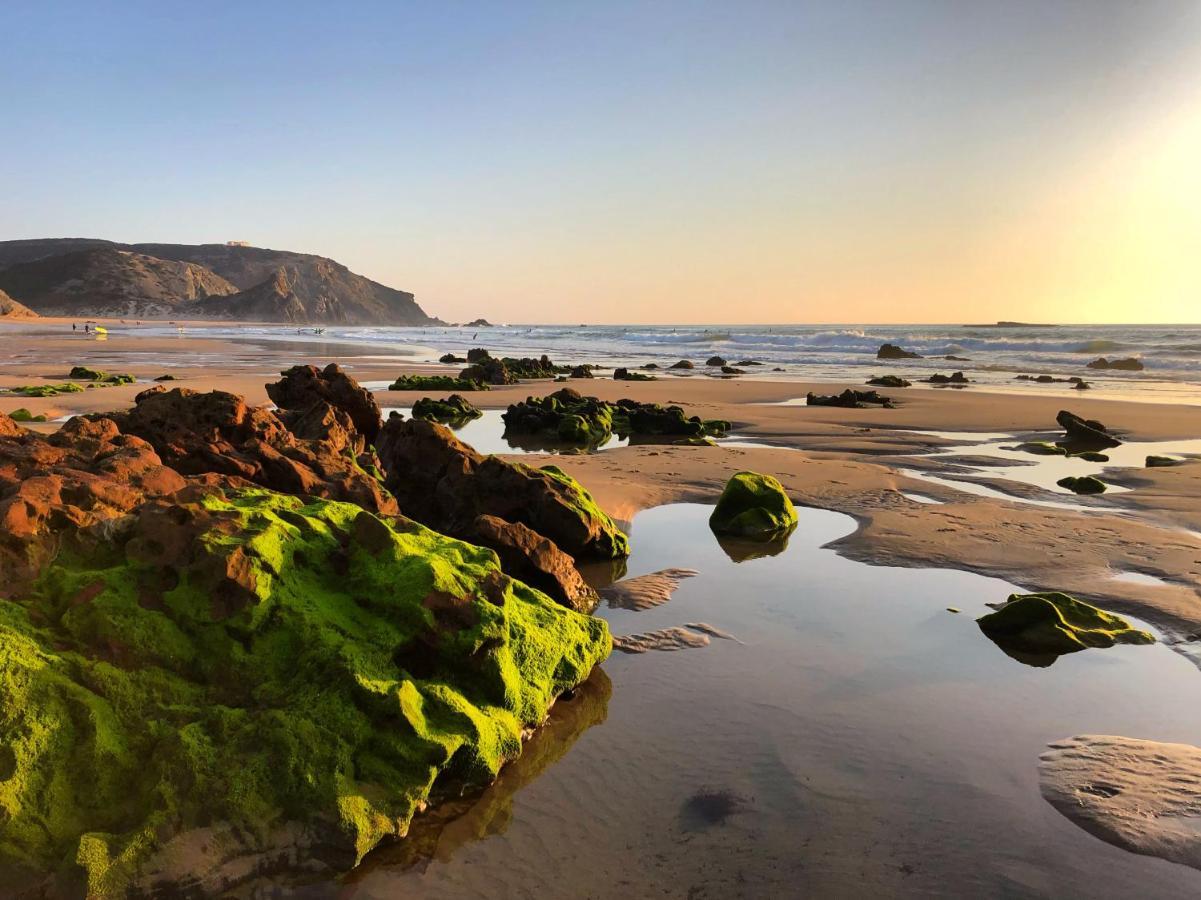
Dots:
(488, 371)
(732, 370)
(952, 358)
(529, 557)
(1082, 484)
(435, 383)
(445, 484)
(21, 414)
(715, 361)
(1153, 461)
(572, 418)
(888, 381)
(892, 351)
(45, 390)
(83, 373)
(450, 358)
(478, 323)
(624, 374)
(753, 505)
(1142, 796)
(303, 387)
(682, 364)
(1039, 448)
(477, 354)
(1041, 627)
(455, 408)
(645, 591)
(581, 372)
(268, 672)
(1127, 365)
(12, 309)
(748, 362)
(1085, 431)
(165, 378)
(1092, 456)
(955, 378)
(651, 366)
(317, 452)
(849, 399)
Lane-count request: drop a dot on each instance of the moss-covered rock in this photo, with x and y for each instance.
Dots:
(46, 390)
(1041, 448)
(753, 505)
(262, 668)
(436, 383)
(623, 374)
(23, 415)
(1046, 625)
(455, 408)
(83, 373)
(1082, 484)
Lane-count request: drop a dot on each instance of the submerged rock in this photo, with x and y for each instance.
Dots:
(1129, 365)
(888, 381)
(233, 676)
(455, 408)
(892, 351)
(436, 383)
(1044, 626)
(1082, 484)
(1092, 456)
(715, 361)
(753, 505)
(1142, 796)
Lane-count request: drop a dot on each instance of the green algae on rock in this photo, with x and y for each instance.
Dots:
(1082, 484)
(435, 383)
(45, 390)
(455, 408)
(753, 505)
(83, 373)
(261, 670)
(24, 415)
(1037, 628)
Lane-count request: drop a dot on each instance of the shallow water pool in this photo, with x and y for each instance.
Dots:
(857, 739)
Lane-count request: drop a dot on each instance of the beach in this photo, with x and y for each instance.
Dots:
(829, 678)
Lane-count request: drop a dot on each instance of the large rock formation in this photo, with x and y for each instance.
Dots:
(110, 282)
(447, 485)
(233, 680)
(164, 279)
(302, 388)
(11, 309)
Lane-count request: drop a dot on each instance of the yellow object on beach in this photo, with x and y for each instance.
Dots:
(100, 329)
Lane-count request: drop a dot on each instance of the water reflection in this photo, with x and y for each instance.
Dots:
(741, 549)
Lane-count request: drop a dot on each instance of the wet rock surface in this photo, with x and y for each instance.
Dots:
(849, 399)
(892, 351)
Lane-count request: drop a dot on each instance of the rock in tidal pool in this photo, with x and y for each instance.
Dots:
(753, 505)
(1142, 796)
(1082, 484)
(454, 409)
(234, 678)
(1038, 628)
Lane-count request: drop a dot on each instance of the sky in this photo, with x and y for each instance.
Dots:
(683, 162)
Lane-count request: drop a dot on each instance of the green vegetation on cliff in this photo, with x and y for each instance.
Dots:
(266, 666)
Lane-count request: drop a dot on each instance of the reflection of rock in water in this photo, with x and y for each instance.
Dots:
(645, 591)
(745, 549)
(602, 573)
(1142, 796)
(707, 809)
(455, 823)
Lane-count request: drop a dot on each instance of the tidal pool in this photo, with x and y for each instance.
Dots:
(487, 435)
(856, 739)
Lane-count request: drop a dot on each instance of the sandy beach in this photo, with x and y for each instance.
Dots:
(856, 461)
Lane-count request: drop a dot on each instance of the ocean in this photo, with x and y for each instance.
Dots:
(994, 356)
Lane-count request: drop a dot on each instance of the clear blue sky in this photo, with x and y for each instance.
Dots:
(884, 161)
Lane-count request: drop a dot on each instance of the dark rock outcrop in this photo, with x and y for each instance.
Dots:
(956, 378)
(1085, 432)
(1125, 365)
(623, 374)
(455, 408)
(682, 364)
(715, 361)
(536, 560)
(849, 399)
(892, 351)
(888, 381)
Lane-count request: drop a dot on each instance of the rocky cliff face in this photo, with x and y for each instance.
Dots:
(110, 282)
(12, 309)
(195, 280)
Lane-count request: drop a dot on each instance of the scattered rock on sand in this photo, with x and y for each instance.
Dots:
(1039, 448)
(753, 505)
(849, 399)
(1156, 462)
(1082, 484)
(1038, 628)
(21, 414)
(682, 364)
(892, 351)
(1142, 796)
(954, 378)
(1088, 432)
(623, 374)
(645, 591)
(455, 408)
(888, 381)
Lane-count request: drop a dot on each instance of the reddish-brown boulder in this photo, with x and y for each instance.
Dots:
(304, 387)
(441, 482)
(528, 556)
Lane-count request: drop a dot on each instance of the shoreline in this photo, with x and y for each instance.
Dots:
(846, 460)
